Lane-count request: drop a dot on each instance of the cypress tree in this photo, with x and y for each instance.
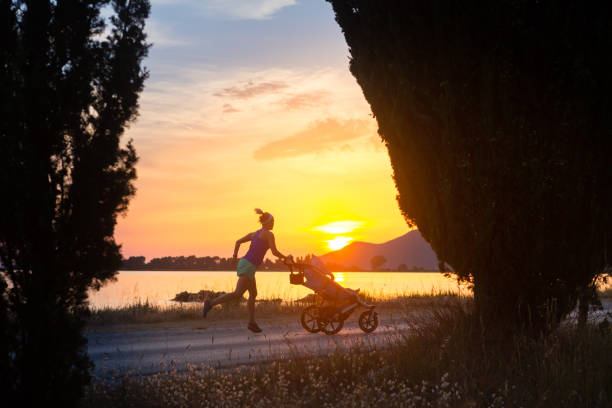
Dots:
(68, 89)
(496, 116)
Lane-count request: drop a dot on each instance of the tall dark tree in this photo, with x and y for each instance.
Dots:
(68, 90)
(497, 120)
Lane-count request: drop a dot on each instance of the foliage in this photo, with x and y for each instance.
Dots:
(193, 263)
(211, 263)
(69, 89)
(496, 118)
(377, 261)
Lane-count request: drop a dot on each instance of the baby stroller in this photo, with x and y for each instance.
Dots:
(336, 305)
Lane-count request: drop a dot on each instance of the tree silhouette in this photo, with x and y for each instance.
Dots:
(497, 120)
(134, 263)
(377, 261)
(68, 92)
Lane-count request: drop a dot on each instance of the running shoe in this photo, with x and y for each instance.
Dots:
(254, 328)
(207, 307)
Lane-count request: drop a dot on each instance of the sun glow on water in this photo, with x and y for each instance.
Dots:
(338, 243)
(338, 277)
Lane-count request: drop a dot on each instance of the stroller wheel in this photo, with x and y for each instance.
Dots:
(368, 321)
(332, 326)
(310, 319)
(330, 320)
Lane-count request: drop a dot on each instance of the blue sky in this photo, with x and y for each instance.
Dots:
(296, 35)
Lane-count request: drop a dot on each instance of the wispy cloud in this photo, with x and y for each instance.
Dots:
(317, 137)
(233, 9)
(162, 35)
(228, 108)
(180, 102)
(304, 100)
(248, 9)
(339, 227)
(250, 89)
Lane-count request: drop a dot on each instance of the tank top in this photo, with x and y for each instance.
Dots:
(257, 249)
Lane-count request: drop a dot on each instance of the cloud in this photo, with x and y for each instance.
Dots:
(317, 137)
(248, 9)
(227, 108)
(304, 100)
(180, 101)
(234, 9)
(251, 89)
(160, 34)
(339, 227)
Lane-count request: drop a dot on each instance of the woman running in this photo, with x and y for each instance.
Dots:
(261, 241)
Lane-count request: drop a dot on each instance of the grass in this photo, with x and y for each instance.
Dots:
(564, 369)
(444, 362)
(146, 312)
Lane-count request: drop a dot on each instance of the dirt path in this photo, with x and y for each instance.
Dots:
(156, 348)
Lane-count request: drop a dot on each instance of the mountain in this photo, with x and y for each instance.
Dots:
(409, 249)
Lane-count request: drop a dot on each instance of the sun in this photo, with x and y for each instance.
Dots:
(338, 243)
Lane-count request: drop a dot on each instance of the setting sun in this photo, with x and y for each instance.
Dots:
(338, 243)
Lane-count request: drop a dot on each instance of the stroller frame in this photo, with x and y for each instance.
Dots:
(328, 315)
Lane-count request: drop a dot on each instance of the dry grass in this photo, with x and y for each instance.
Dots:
(145, 312)
(364, 379)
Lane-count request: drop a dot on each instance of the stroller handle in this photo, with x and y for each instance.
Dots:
(301, 266)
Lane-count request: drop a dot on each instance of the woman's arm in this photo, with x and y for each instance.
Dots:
(246, 238)
(272, 245)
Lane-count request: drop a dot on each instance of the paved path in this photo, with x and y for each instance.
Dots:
(154, 350)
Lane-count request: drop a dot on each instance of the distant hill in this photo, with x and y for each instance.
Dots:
(409, 249)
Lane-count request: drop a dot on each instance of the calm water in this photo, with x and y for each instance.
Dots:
(159, 287)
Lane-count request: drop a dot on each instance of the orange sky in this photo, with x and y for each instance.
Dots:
(216, 140)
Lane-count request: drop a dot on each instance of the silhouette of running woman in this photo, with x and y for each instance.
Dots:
(261, 241)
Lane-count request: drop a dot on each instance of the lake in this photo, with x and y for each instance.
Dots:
(158, 287)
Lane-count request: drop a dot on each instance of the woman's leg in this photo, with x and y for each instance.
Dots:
(242, 286)
(252, 288)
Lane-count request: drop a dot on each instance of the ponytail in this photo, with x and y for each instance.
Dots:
(264, 217)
